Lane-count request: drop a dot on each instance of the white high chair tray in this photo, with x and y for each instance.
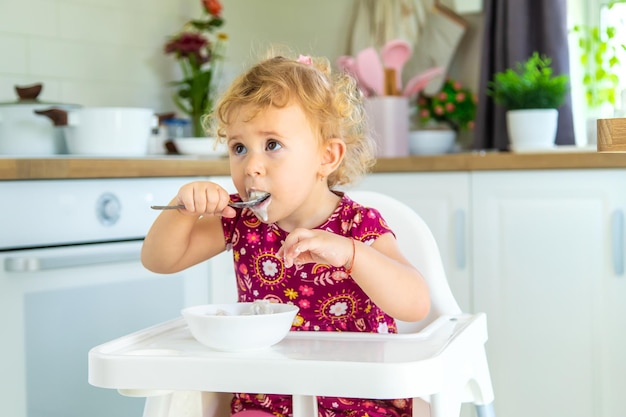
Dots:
(166, 358)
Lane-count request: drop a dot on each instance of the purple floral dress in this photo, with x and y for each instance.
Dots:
(328, 298)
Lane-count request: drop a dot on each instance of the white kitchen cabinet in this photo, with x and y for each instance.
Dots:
(548, 269)
(442, 199)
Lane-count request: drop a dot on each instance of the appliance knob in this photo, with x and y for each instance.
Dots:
(108, 209)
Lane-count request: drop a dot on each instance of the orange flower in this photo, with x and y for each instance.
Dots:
(213, 7)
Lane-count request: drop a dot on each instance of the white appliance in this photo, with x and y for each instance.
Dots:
(71, 279)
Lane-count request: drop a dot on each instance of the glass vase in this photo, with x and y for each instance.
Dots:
(196, 125)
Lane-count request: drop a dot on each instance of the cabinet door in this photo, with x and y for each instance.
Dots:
(550, 280)
(442, 199)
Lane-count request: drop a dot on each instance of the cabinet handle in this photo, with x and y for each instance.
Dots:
(43, 263)
(459, 241)
(617, 241)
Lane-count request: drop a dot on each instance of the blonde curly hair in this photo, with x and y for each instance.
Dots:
(332, 103)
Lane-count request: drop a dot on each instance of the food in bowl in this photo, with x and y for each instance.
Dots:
(240, 326)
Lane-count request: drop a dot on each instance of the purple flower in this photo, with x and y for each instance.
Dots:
(189, 44)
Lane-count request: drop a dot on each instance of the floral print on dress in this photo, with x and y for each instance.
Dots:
(328, 298)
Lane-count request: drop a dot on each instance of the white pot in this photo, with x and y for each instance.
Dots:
(106, 131)
(532, 129)
(431, 142)
(22, 132)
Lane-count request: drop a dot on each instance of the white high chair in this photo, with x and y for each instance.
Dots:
(439, 361)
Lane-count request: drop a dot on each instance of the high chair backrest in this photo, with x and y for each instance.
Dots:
(418, 244)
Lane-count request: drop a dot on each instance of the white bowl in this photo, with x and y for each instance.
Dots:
(237, 329)
(200, 146)
(431, 142)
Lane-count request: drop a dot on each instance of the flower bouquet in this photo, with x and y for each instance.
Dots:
(200, 56)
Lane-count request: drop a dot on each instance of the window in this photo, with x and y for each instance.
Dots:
(597, 88)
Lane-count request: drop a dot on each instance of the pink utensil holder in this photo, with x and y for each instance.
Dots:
(389, 123)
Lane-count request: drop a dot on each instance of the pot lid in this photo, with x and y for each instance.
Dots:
(28, 95)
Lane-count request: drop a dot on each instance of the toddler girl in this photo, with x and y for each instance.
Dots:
(296, 131)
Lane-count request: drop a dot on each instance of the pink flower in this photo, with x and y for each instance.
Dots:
(453, 105)
(306, 290)
(304, 304)
(252, 237)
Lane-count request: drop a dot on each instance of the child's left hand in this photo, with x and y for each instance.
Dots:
(315, 246)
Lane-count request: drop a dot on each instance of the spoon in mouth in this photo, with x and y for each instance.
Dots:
(235, 204)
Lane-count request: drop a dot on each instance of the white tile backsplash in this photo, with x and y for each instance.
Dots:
(14, 53)
(29, 17)
(91, 52)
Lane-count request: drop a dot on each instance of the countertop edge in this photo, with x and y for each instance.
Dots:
(166, 166)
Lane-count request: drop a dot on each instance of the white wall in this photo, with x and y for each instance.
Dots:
(91, 52)
(109, 52)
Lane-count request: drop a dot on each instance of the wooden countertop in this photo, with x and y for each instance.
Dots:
(63, 167)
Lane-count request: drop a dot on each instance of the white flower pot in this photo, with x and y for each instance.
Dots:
(532, 129)
(431, 142)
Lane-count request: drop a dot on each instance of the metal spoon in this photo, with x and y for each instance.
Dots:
(235, 204)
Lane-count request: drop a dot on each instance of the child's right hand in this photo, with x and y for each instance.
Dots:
(204, 197)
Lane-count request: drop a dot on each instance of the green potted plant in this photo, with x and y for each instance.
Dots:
(438, 119)
(453, 107)
(531, 93)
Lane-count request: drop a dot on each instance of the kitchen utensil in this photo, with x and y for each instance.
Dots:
(391, 89)
(110, 131)
(421, 80)
(394, 55)
(22, 132)
(347, 64)
(235, 204)
(371, 70)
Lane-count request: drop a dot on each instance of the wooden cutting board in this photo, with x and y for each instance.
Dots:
(441, 36)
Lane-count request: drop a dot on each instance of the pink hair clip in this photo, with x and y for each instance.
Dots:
(305, 59)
